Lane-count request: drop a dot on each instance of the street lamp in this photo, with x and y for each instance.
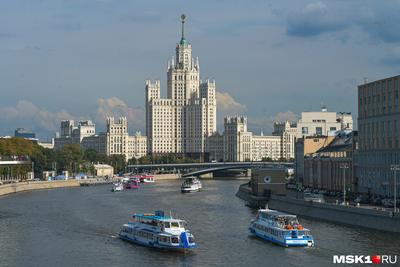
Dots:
(344, 166)
(395, 168)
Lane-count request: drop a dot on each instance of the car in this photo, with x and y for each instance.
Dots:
(388, 203)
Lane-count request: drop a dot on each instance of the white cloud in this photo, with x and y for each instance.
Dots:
(227, 105)
(118, 108)
(27, 115)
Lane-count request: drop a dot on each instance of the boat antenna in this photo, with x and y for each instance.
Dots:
(266, 206)
(170, 214)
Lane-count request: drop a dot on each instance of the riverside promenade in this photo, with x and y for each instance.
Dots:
(373, 218)
(37, 185)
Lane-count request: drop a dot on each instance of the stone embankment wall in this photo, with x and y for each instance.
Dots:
(356, 216)
(28, 186)
(167, 176)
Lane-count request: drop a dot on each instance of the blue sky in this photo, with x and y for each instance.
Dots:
(81, 59)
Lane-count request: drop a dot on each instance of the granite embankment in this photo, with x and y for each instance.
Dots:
(363, 216)
(36, 185)
(368, 217)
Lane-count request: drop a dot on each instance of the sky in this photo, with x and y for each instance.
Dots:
(86, 59)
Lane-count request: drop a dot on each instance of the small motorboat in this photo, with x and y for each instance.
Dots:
(132, 183)
(191, 184)
(117, 187)
(147, 178)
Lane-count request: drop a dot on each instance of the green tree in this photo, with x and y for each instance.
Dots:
(118, 162)
(145, 160)
(70, 157)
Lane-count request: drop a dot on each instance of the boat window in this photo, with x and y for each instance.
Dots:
(174, 239)
(191, 239)
(174, 225)
(167, 225)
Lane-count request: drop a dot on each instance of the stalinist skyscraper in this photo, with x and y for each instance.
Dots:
(181, 122)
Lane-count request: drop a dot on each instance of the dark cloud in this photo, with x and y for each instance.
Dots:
(6, 35)
(379, 20)
(313, 20)
(392, 58)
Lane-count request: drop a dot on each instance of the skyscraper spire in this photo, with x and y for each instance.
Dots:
(183, 17)
(183, 40)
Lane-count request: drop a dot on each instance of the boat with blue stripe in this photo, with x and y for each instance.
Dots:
(280, 228)
(159, 231)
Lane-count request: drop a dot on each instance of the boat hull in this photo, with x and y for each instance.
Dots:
(151, 244)
(190, 190)
(296, 242)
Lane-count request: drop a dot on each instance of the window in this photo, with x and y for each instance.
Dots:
(318, 131)
(174, 225)
(304, 130)
(332, 129)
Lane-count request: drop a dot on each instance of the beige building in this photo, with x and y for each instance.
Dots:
(137, 146)
(324, 169)
(306, 146)
(323, 123)
(266, 147)
(237, 140)
(182, 122)
(242, 145)
(72, 133)
(287, 131)
(103, 170)
(378, 128)
(118, 141)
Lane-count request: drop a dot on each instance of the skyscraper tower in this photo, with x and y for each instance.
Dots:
(182, 122)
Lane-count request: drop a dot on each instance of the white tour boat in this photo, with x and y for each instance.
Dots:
(191, 184)
(146, 178)
(280, 228)
(118, 187)
(158, 231)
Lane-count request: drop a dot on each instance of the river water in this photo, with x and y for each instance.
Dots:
(79, 226)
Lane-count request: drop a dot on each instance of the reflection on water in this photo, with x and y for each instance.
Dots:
(79, 227)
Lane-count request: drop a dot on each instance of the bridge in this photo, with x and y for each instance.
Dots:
(196, 169)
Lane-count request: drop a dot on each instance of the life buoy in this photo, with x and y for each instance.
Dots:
(300, 227)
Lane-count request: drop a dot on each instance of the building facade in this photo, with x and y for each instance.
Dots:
(22, 133)
(323, 123)
(137, 146)
(182, 122)
(378, 125)
(72, 133)
(96, 142)
(215, 147)
(239, 144)
(119, 142)
(287, 132)
(307, 146)
(332, 167)
(266, 147)
(237, 140)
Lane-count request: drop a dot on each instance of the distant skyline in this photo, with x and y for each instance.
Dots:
(85, 59)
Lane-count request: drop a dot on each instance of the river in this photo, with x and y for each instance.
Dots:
(79, 227)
